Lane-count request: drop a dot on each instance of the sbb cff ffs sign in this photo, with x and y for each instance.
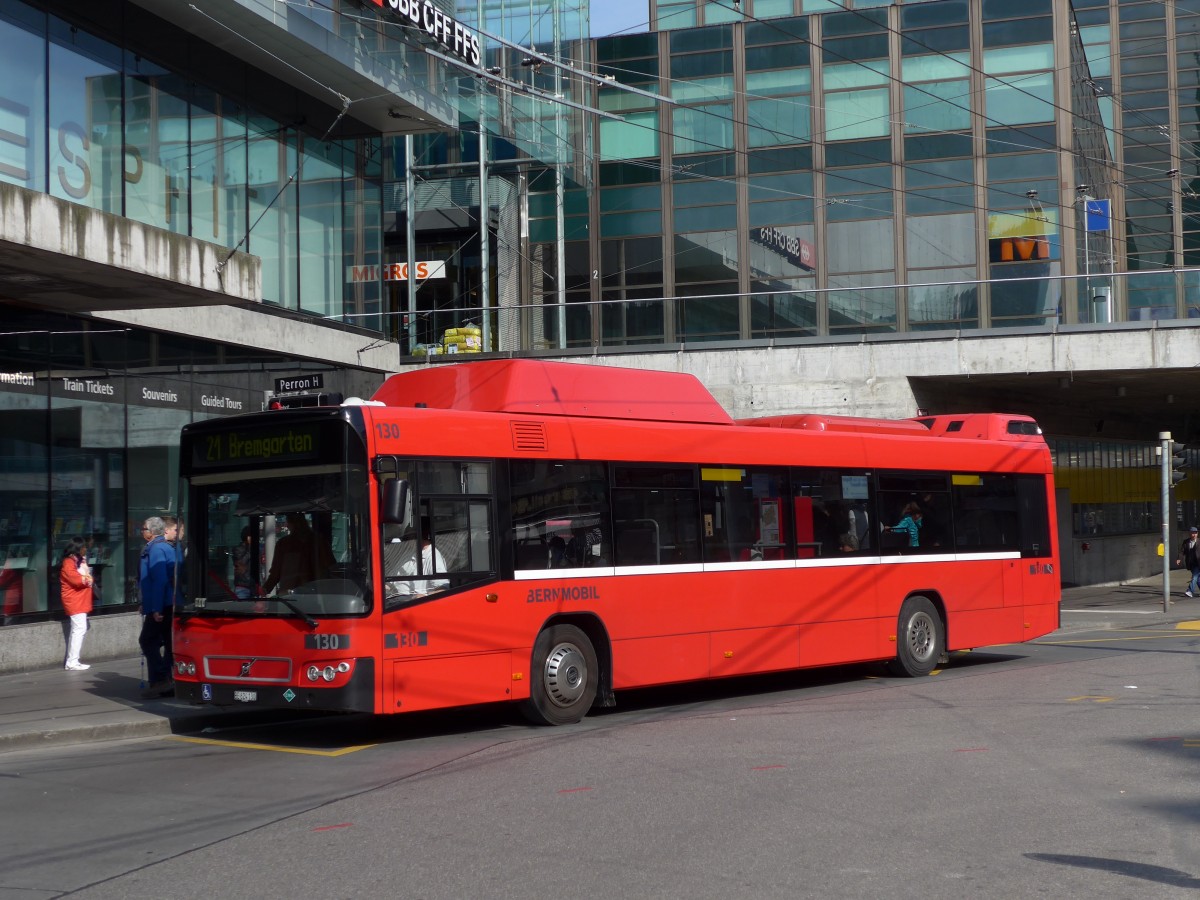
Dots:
(447, 31)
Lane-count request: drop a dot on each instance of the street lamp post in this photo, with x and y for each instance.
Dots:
(1084, 198)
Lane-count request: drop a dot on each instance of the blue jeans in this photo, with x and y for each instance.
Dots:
(1194, 582)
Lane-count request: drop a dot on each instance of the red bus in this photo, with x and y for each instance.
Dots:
(553, 533)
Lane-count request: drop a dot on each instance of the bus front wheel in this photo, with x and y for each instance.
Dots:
(920, 638)
(563, 677)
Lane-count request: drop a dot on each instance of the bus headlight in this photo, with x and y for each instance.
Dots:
(185, 667)
(328, 671)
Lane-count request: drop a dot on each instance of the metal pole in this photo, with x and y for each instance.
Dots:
(410, 238)
(1112, 268)
(560, 222)
(560, 226)
(1087, 261)
(1087, 267)
(1164, 438)
(485, 246)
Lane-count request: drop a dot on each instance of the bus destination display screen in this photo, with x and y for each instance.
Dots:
(290, 443)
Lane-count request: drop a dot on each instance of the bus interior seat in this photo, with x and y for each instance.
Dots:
(637, 547)
(531, 554)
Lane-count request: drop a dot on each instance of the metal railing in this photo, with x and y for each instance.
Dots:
(779, 314)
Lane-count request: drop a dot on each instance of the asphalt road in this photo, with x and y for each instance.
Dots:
(1064, 768)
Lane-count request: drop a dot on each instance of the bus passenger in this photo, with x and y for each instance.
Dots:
(400, 560)
(300, 557)
(557, 549)
(910, 524)
(243, 574)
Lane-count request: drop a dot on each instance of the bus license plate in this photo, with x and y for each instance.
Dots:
(245, 696)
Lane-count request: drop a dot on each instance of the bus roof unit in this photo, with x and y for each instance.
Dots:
(985, 426)
(536, 387)
(840, 423)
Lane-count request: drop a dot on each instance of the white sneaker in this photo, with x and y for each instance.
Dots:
(76, 667)
(1188, 594)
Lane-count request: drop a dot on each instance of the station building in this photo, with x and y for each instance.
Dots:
(844, 207)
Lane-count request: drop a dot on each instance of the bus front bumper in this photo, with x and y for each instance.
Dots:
(356, 695)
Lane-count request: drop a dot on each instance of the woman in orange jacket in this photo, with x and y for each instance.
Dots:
(76, 579)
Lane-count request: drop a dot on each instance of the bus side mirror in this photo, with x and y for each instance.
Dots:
(395, 501)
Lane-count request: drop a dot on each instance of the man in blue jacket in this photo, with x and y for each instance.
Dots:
(156, 578)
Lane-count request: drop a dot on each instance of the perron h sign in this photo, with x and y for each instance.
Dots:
(313, 382)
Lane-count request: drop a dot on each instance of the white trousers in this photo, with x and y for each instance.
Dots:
(75, 642)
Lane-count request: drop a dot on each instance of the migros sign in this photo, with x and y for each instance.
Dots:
(444, 29)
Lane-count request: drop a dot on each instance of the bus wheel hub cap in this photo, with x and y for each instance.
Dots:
(566, 674)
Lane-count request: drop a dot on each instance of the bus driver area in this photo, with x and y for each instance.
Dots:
(553, 533)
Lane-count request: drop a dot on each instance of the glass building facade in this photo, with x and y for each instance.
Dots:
(214, 151)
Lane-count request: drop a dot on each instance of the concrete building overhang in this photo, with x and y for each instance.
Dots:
(1114, 404)
(71, 258)
(281, 40)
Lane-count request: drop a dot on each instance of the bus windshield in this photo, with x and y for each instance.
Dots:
(287, 542)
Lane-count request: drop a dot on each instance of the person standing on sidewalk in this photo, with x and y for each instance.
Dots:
(174, 534)
(76, 579)
(156, 578)
(1189, 557)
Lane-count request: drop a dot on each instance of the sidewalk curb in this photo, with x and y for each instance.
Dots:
(110, 731)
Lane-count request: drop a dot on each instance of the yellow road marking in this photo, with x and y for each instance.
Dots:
(1108, 640)
(245, 745)
(1092, 698)
(1188, 626)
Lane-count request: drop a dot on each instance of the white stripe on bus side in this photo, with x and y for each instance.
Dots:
(761, 565)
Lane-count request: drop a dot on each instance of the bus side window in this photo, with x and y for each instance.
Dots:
(985, 512)
(560, 514)
(451, 499)
(830, 511)
(1033, 514)
(915, 511)
(742, 512)
(660, 505)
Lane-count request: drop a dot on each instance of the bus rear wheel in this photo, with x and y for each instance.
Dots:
(920, 638)
(563, 677)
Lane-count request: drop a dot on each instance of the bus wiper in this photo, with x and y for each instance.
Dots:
(308, 620)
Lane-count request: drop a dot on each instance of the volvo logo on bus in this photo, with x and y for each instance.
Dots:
(245, 673)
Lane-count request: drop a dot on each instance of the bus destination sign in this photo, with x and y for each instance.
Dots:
(256, 446)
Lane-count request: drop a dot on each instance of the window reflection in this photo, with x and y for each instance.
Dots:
(22, 114)
(85, 121)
